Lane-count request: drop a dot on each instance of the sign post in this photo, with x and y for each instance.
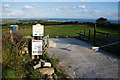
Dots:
(37, 44)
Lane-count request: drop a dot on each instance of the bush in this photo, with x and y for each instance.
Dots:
(9, 73)
(13, 65)
(110, 26)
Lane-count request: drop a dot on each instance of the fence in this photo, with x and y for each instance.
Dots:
(45, 43)
(82, 35)
(96, 37)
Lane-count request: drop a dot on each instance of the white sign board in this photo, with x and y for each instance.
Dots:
(38, 30)
(36, 47)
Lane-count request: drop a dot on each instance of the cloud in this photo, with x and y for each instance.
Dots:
(65, 7)
(20, 13)
(5, 5)
(108, 13)
(82, 7)
(85, 10)
(74, 7)
(55, 8)
(36, 6)
(28, 7)
(96, 11)
(112, 15)
(31, 6)
(11, 12)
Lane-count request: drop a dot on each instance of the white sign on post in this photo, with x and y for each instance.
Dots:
(36, 47)
(38, 30)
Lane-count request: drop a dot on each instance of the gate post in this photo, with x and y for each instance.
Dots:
(94, 41)
(89, 36)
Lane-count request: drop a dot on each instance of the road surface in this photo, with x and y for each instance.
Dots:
(79, 61)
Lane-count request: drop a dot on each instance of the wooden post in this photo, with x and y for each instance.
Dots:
(48, 41)
(84, 32)
(11, 36)
(77, 31)
(84, 35)
(94, 42)
(79, 34)
(89, 36)
(33, 57)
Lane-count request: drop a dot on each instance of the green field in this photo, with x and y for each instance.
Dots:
(70, 30)
(64, 30)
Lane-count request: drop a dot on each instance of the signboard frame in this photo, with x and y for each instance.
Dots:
(38, 30)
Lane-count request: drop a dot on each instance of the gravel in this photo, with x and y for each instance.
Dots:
(79, 61)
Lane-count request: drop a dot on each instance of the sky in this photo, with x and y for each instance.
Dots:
(60, 0)
(83, 10)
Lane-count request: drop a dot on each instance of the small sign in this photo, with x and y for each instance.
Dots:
(38, 30)
(36, 47)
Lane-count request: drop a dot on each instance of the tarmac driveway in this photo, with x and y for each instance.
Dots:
(79, 61)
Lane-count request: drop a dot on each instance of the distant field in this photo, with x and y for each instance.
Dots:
(57, 30)
(64, 30)
(67, 30)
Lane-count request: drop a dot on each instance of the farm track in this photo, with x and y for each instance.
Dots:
(78, 60)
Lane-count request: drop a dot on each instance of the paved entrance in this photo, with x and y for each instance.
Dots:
(78, 60)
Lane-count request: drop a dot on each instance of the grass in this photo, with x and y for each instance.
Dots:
(14, 67)
(70, 30)
(10, 73)
(64, 30)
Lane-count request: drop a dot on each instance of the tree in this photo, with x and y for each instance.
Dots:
(101, 20)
